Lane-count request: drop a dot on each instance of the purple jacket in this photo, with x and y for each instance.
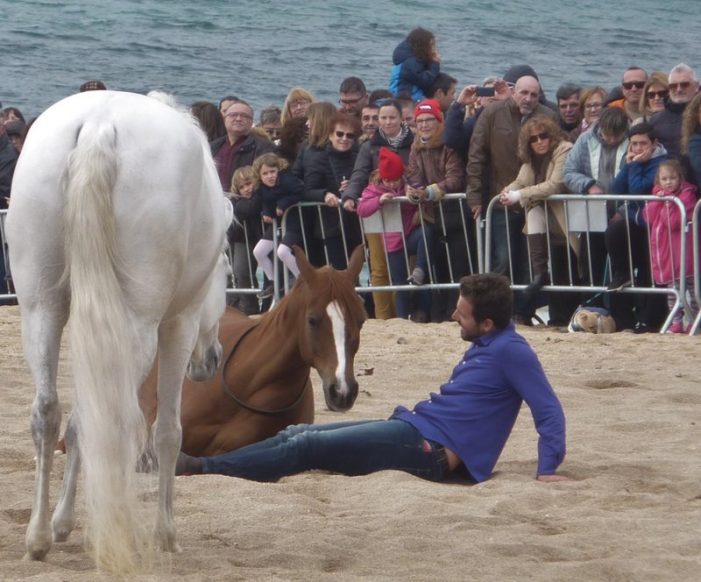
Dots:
(666, 230)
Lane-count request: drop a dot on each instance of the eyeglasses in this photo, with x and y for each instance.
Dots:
(235, 115)
(569, 106)
(631, 84)
(538, 137)
(683, 86)
(595, 105)
(350, 101)
(657, 94)
(342, 134)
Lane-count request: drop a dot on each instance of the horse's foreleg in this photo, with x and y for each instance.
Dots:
(63, 520)
(175, 341)
(41, 334)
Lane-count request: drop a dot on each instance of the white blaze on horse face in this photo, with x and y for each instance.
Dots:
(338, 325)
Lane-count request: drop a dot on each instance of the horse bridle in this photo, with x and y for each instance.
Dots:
(251, 407)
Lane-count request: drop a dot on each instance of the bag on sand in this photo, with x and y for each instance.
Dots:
(592, 320)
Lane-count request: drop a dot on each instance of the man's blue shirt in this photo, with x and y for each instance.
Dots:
(476, 409)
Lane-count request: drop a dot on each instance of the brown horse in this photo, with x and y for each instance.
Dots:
(263, 384)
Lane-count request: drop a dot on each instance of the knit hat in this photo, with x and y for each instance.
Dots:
(390, 165)
(518, 71)
(429, 106)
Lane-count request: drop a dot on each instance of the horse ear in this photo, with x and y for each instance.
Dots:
(355, 264)
(306, 270)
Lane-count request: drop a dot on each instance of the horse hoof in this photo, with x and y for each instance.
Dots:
(61, 533)
(37, 553)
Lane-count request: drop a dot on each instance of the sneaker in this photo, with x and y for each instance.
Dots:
(677, 327)
(266, 292)
(417, 277)
(619, 282)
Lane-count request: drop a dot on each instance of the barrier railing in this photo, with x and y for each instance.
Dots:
(696, 226)
(585, 216)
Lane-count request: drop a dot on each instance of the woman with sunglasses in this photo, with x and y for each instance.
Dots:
(543, 150)
(326, 166)
(654, 95)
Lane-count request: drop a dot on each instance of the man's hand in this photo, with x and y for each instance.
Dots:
(468, 96)
(595, 189)
(349, 205)
(552, 478)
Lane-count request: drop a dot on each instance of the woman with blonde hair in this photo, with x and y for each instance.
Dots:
(653, 96)
(296, 104)
(592, 100)
(542, 149)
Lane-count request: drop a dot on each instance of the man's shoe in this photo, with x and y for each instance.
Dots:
(417, 277)
(619, 282)
(187, 465)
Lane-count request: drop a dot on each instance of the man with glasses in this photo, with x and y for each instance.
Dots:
(668, 123)
(353, 96)
(240, 146)
(632, 85)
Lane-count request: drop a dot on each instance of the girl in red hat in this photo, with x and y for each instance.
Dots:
(387, 183)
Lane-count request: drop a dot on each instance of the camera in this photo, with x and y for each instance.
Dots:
(485, 92)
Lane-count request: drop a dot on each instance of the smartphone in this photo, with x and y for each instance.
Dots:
(485, 92)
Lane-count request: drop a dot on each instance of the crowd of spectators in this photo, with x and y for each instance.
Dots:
(501, 138)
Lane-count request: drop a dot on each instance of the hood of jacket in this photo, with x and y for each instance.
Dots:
(401, 53)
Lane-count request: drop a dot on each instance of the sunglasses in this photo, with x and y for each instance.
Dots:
(631, 84)
(657, 94)
(683, 86)
(342, 134)
(538, 137)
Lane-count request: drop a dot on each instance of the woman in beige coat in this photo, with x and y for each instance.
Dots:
(543, 150)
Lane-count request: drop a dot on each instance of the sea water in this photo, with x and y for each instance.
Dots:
(258, 49)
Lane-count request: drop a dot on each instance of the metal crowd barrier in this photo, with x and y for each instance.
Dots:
(585, 215)
(696, 226)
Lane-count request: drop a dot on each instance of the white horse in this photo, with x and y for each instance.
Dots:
(117, 220)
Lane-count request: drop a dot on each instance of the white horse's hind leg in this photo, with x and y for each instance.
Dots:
(176, 339)
(63, 520)
(41, 332)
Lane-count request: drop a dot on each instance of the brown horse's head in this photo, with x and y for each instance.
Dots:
(330, 328)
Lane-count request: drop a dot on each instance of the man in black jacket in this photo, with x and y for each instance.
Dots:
(240, 146)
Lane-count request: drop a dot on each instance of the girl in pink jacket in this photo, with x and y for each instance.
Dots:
(667, 234)
(385, 184)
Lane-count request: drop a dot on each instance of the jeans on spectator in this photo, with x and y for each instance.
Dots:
(350, 448)
(398, 269)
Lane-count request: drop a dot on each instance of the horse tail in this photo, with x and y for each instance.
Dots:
(111, 426)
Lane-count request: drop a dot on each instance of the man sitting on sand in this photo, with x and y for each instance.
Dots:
(464, 427)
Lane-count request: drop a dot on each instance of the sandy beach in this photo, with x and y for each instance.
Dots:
(632, 511)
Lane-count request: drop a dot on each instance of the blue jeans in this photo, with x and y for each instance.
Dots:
(350, 448)
(398, 270)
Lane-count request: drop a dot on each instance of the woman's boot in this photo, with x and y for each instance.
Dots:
(538, 246)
